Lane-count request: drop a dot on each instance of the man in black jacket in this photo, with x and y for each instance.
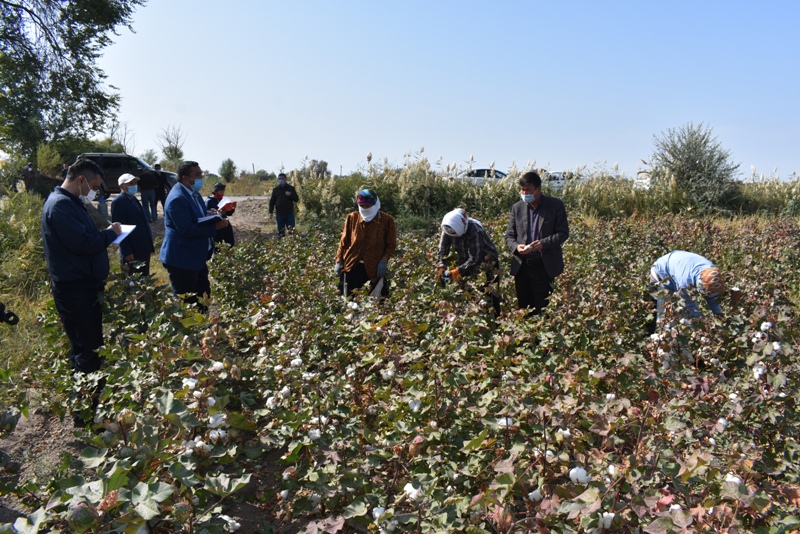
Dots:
(536, 229)
(134, 250)
(148, 184)
(282, 204)
(75, 252)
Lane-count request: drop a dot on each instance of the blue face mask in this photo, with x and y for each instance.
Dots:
(528, 198)
(197, 185)
(281, 182)
(132, 189)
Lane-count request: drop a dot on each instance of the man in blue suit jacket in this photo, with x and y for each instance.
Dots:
(536, 229)
(188, 243)
(134, 250)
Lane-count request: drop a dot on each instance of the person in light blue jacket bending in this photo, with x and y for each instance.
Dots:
(679, 270)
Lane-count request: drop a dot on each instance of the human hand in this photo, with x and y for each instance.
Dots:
(535, 246)
(523, 249)
(129, 257)
(337, 268)
(383, 268)
(271, 216)
(116, 227)
(219, 225)
(288, 193)
(440, 272)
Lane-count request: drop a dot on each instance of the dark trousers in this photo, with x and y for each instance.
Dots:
(357, 278)
(283, 221)
(149, 203)
(78, 305)
(193, 284)
(533, 286)
(225, 235)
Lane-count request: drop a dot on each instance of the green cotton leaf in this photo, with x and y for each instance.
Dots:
(193, 319)
(240, 421)
(476, 442)
(147, 510)
(662, 525)
(30, 524)
(223, 485)
(175, 411)
(778, 380)
(356, 509)
(93, 457)
(145, 498)
(118, 478)
(182, 472)
(681, 518)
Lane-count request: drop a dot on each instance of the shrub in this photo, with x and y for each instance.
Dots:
(699, 164)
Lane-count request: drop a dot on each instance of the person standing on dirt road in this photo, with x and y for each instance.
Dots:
(188, 242)
(77, 260)
(282, 203)
(213, 204)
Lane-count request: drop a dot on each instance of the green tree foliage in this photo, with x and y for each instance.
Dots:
(149, 156)
(227, 170)
(50, 85)
(699, 164)
(170, 141)
(48, 160)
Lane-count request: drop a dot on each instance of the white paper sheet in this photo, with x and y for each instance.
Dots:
(126, 230)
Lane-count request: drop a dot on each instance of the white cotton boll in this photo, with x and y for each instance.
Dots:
(578, 475)
(733, 479)
(434, 425)
(350, 371)
(352, 305)
(734, 397)
(297, 362)
(766, 326)
(591, 372)
(217, 367)
(412, 492)
(286, 392)
(776, 346)
(712, 441)
(211, 401)
(387, 374)
(414, 404)
(284, 494)
(213, 435)
(262, 351)
(377, 512)
(606, 519)
(190, 383)
(675, 508)
(610, 396)
(308, 377)
(278, 369)
(758, 371)
(197, 394)
(564, 432)
(722, 422)
(314, 434)
(272, 402)
(612, 470)
(549, 454)
(535, 495)
(505, 422)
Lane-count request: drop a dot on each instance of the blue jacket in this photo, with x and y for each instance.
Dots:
(74, 249)
(680, 270)
(187, 243)
(126, 209)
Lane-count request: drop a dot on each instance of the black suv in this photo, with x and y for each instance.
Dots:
(115, 165)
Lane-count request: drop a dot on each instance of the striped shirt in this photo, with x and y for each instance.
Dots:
(475, 249)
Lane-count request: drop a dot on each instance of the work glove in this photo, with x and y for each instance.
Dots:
(337, 268)
(383, 268)
(455, 275)
(440, 273)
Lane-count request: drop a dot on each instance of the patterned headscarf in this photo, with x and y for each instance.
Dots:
(711, 281)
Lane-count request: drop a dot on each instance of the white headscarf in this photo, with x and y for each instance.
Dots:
(369, 213)
(458, 221)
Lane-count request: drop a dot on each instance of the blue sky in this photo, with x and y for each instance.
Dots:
(560, 83)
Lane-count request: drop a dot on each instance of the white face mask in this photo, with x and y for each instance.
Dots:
(90, 196)
(369, 213)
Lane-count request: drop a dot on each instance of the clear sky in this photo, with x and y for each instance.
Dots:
(563, 84)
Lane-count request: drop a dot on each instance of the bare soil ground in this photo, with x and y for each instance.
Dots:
(40, 441)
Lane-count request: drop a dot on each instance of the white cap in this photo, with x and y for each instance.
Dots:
(126, 179)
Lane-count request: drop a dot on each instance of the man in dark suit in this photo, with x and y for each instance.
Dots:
(134, 250)
(536, 229)
(188, 242)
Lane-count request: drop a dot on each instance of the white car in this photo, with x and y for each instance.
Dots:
(482, 176)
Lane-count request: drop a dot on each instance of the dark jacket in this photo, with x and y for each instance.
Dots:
(223, 234)
(126, 209)
(280, 202)
(148, 181)
(186, 242)
(75, 250)
(553, 231)
(475, 249)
